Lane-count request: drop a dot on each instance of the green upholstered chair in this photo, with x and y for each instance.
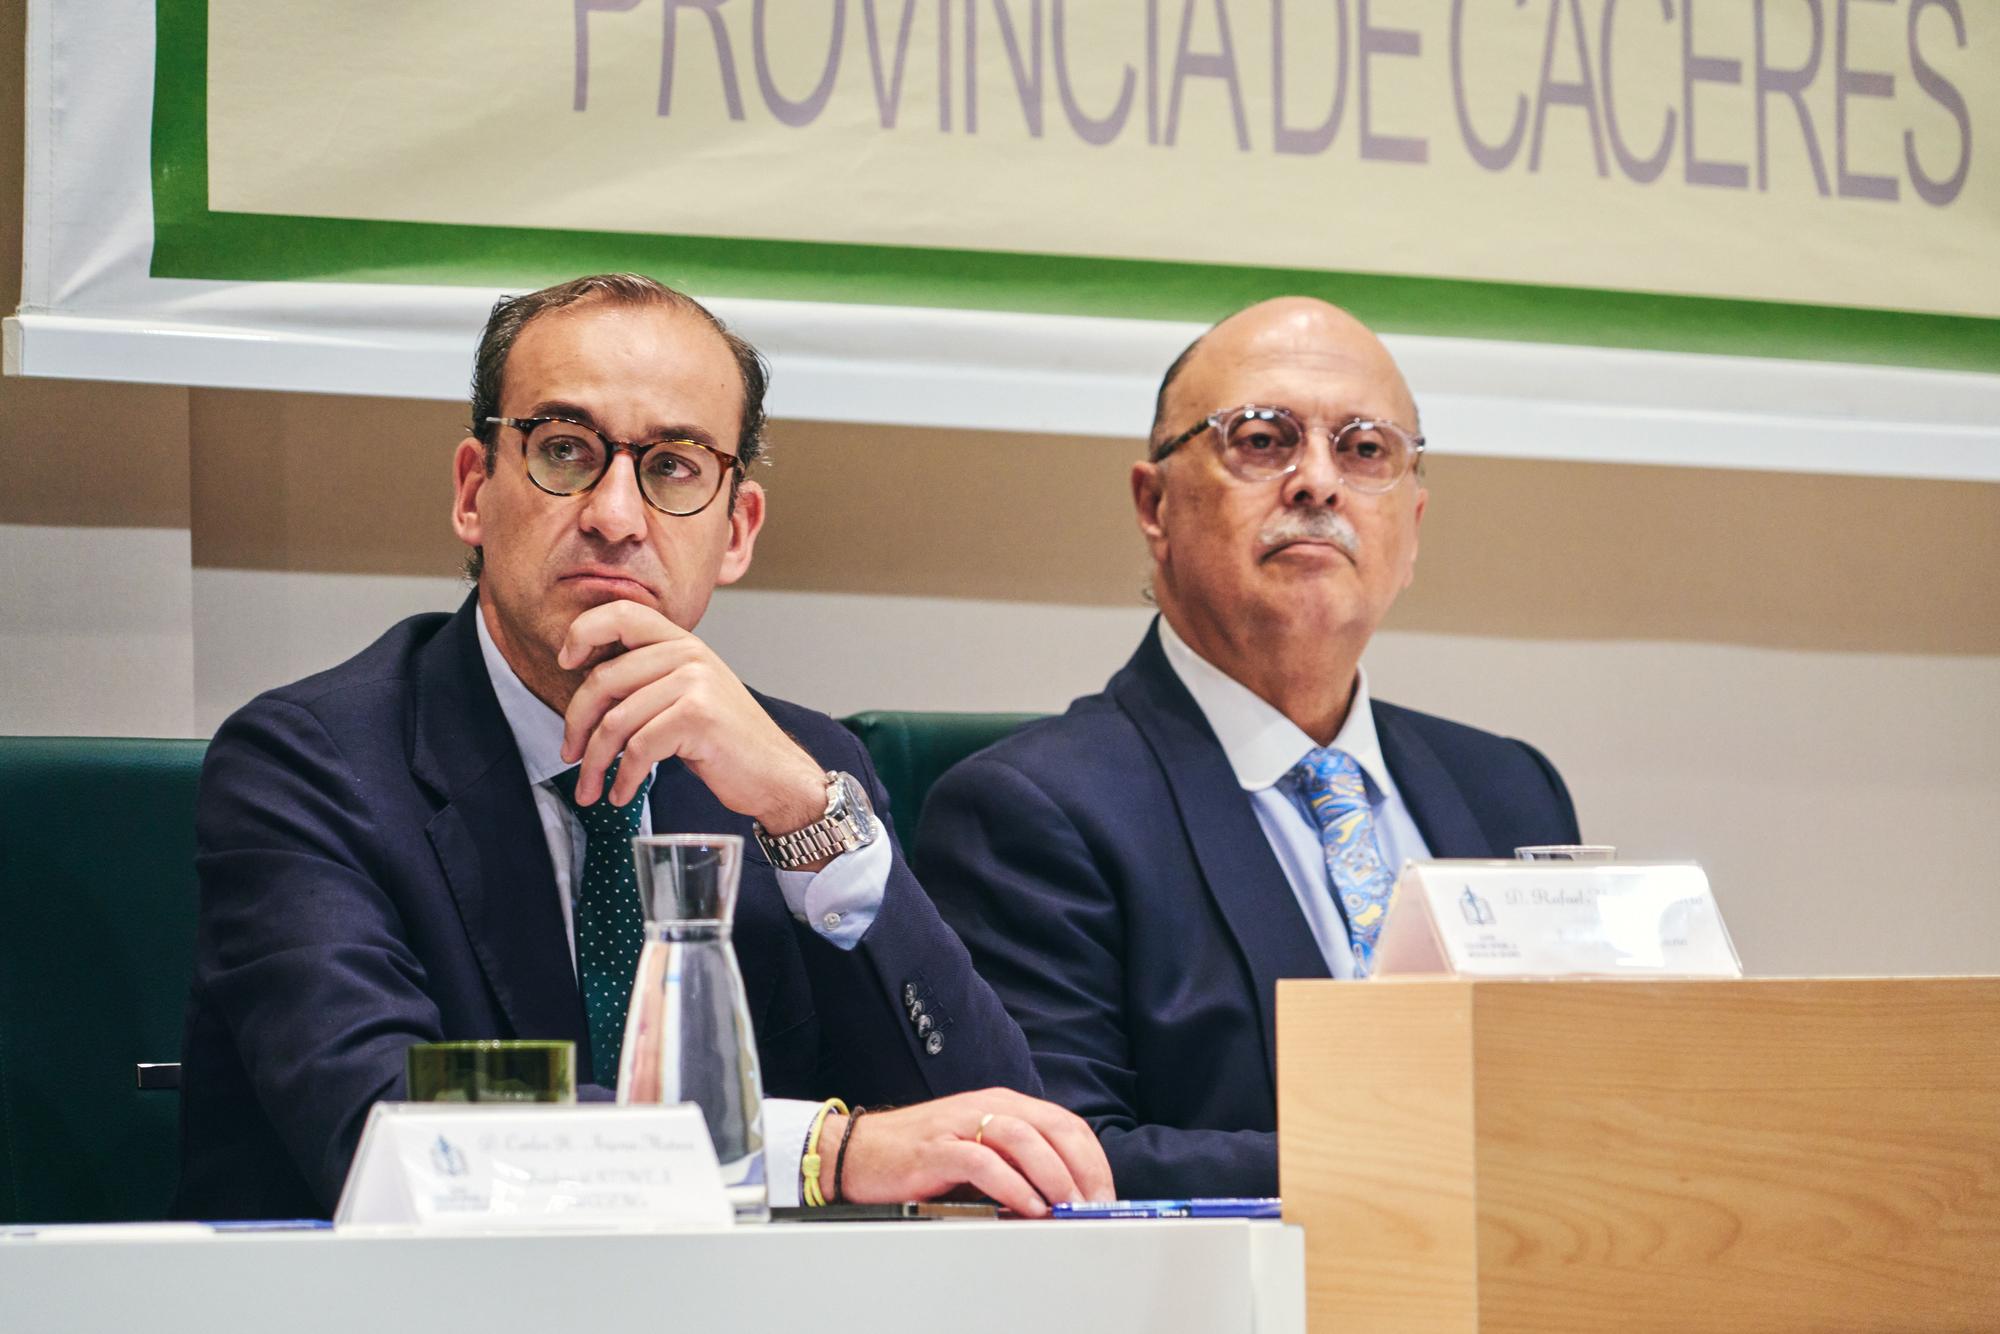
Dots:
(97, 914)
(912, 750)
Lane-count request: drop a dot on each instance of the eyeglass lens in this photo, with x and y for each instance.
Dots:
(1262, 443)
(677, 475)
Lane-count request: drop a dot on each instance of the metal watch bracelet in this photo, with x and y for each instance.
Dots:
(845, 826)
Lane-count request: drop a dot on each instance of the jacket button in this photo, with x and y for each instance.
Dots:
(909, 994)
(934, 1043)
(924, 1024)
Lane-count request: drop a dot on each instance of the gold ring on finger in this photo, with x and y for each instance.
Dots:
(979, 1135)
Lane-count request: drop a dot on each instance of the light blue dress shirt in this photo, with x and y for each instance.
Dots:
(1263, 746)
(839, 901)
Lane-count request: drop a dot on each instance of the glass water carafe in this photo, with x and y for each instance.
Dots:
(687, 1032)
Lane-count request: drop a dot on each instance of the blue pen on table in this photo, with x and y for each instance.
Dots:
(1194, 1208)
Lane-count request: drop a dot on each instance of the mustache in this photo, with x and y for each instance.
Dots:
(1310, 525)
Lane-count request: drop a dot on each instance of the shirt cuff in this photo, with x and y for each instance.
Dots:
(787, 1122)
(839, 901)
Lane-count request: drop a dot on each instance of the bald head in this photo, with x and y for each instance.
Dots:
(1295, 332)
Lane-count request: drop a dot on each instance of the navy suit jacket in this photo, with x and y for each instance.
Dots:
(374, 874)
(1113, 884)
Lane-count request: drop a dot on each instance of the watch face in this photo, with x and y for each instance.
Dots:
(854, 796)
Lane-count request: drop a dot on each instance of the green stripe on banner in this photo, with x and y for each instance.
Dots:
(192, 242)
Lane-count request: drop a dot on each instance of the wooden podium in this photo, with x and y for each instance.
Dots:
(1631, 1156)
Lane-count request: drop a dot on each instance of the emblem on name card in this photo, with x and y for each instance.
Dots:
(447, 1159)
(1554, 919)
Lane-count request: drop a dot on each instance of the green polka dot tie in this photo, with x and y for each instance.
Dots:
(610, 922)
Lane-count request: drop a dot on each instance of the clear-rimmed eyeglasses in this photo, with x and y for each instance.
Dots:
(1259, 444)
(676, 476)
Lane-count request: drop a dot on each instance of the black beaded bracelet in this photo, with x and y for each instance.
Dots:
(840, 1154)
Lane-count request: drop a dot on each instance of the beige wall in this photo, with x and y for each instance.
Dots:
(1511, 548)
(1795, 679)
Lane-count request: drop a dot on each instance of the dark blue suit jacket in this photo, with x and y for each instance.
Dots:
(1112, 882)
(374, 874)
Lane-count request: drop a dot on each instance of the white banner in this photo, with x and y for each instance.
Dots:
(307, 219)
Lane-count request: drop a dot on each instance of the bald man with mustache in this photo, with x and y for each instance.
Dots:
(1135, 875)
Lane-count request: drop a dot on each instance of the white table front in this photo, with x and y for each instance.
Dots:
(1202, 1276)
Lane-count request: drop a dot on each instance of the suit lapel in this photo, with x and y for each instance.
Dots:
(1427, 788)
(1234, 856)
(488, 837)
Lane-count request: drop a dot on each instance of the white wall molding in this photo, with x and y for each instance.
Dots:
(1071, 375)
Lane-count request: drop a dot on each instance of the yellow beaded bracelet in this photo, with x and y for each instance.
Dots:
(809, 1164)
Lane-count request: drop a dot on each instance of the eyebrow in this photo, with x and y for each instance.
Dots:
(1350, 417)
(576, 412)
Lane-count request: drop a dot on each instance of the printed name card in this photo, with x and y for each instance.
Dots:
(1554, 919)
(496, 1166)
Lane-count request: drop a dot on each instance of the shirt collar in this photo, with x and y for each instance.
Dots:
(1262, 744)
(537, 728)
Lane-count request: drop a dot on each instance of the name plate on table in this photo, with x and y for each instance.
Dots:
(495, 1166)
(1554, 919)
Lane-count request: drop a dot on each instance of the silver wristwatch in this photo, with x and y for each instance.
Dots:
(849, 823)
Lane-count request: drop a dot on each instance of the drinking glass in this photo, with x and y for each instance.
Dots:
(492, 1071)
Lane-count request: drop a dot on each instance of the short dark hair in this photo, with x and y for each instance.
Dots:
(513, 314)
(1161, 427)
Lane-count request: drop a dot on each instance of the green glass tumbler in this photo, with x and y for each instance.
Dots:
(492, 1071)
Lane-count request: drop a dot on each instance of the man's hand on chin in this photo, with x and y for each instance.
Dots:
(666, 694)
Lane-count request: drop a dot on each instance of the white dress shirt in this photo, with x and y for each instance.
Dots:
(1263, 746)
(839, 901)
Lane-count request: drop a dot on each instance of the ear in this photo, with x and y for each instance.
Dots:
(746, 517)
(1149, 501)
(1416, 529)
(468, 474)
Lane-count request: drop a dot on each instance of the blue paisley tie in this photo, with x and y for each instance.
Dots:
(610, 922)
(1333, 788)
